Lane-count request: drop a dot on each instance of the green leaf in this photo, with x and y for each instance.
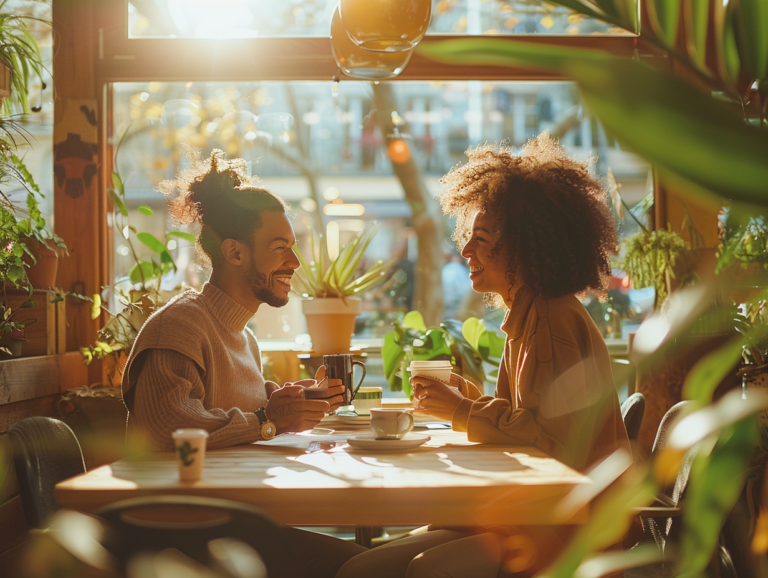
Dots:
(118, 202)
(696, 21)
(151, 242)
(472, 329)
(117, 182)
(414, 320)
(709, 372)
(392, 354)
(664, 16)
(182, 235)
(715, 484)
(150, 271)
(145, 210)
(491, 347)
(664, 119)
(751, 28)
(15, 273)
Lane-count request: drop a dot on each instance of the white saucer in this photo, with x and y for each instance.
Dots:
(368, 442)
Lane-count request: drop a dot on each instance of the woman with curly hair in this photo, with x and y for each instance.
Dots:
(537, 233)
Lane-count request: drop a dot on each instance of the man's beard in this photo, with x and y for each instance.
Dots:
(259, 285)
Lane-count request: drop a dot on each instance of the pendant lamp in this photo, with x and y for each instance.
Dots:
(358, 63)
(386, 25)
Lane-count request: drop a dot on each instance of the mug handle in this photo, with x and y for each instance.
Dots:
(412, 421)
(359, 383)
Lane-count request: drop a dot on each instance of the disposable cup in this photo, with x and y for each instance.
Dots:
(439, 370)
(190, 453)
(366, 399)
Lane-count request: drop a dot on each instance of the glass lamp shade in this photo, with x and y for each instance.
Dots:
(386, 25)
(359, 63)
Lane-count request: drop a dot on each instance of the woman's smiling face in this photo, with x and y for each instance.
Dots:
(488, 262)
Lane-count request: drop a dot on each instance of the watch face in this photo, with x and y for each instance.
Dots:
(268, 430)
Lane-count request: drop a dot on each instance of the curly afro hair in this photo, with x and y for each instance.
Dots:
(551, 215)
(217, 194)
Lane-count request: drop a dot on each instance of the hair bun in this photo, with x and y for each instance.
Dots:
(203, 185)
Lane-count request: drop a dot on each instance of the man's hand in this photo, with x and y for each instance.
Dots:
(435, 398)
(330, 390)
(289, 411)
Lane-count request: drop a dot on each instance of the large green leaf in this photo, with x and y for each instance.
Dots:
(664, 119)
(716, 481)
(415, 320)
(706, 375)
(751, 26)
(472, 329)
(664, 19)
(696, 20)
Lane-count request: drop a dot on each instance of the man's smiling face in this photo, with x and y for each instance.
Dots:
(273, 260)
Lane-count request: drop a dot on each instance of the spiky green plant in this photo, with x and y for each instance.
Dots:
(323, 277)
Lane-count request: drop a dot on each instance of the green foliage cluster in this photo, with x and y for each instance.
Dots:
(20, 54)
(121, 329)
(466, 345)
(649, 256)
(324, 277)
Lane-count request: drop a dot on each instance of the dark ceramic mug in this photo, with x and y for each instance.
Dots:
(341, 366)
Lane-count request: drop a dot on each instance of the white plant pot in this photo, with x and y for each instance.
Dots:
(331, 323)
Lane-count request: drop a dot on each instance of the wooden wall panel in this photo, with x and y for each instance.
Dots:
(79, 206)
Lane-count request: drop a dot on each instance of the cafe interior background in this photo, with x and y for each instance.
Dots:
(259, 80)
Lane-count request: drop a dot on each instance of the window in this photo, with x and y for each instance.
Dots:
(319, 145)
(262, 18)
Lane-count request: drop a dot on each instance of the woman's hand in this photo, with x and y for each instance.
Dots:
(435, 398)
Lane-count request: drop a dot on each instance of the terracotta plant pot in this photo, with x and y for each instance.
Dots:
(13, 342)
(42, 273)
(331, 323)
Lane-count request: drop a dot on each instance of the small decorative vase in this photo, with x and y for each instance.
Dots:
(331, 323)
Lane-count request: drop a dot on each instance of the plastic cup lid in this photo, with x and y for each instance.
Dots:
(190, 433)
(431, 364)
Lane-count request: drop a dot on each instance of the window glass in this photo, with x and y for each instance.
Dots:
(318, 145)
(262, 18)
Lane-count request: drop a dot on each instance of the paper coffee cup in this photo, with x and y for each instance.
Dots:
(366, 399)
(439, 370)
(190, 453)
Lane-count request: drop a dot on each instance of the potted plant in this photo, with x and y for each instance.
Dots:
(466, 345)
(19, 59)
(331, 289)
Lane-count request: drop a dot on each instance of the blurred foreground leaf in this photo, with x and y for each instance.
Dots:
(664, 119)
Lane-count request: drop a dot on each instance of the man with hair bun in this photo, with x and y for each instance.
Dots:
(195, 364)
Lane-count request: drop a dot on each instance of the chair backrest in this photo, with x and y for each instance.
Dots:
(45, 452)
(674, 492)
(188, 524)
(632, 411)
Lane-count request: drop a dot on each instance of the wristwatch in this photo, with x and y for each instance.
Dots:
(268, 429)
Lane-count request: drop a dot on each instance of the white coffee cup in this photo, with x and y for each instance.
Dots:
(391, 424)
(439, 370)
(366, 399)
(190, 453)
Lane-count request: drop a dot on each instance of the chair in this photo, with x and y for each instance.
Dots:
(188, 524)
(660, 522)
(45, 452)
(632, 411)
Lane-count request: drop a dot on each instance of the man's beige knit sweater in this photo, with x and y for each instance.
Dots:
(194, 364)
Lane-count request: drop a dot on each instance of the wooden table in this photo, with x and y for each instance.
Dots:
(447, 481)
